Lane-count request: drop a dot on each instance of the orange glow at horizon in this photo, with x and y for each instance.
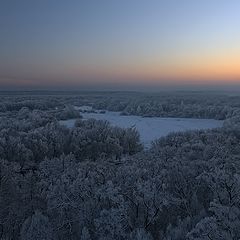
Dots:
(222, 67)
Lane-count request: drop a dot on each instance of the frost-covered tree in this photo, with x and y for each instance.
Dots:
(37, 227)
(140, 234)
(110, 224)
(85, 234)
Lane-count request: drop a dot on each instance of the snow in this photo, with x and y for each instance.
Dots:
(84, 108)
(68, 123)
(150, 128)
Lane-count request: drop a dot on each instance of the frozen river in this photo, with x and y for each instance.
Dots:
(150, 128)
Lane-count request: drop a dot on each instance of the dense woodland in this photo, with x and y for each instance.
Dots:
(96, 181)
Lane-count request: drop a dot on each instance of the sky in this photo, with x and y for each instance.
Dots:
(119, 44)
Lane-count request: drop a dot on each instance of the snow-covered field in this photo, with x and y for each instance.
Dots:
(150, 128)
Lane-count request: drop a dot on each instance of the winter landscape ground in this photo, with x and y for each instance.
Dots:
(149, 128)
(68, 171)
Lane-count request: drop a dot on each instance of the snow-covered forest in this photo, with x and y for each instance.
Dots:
(96, 181)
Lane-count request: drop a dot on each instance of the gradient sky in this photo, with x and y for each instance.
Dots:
(76, 44)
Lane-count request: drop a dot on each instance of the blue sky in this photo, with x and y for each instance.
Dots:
(52, 43)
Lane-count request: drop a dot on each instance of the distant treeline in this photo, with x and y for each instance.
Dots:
(190, 106)
(213, 106)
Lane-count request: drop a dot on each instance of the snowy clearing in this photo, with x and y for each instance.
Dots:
(150, 128)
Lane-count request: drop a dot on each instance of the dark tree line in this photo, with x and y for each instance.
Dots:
(188, 106)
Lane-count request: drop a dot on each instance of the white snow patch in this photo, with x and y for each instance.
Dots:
(84, 108)
(150, 128)
(68, 123)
